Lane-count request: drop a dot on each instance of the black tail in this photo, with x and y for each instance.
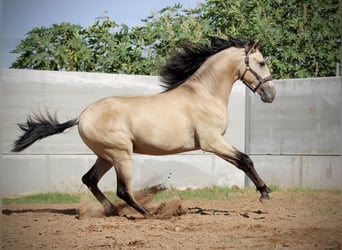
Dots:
(38, 127)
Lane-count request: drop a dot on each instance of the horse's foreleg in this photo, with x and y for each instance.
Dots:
(124, 187)
(91, 179)
(241, 161)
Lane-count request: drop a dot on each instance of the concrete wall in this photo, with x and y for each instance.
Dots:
(57, 163)
(294, 142)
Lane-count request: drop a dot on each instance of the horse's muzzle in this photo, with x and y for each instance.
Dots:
(267, 92)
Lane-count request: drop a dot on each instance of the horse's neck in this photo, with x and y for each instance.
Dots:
(217, 75)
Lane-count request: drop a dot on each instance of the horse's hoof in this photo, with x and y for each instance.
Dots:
(148, 215)
(264, 198)
(111, 212)
(264, 190)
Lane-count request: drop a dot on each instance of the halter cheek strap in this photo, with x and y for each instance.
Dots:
(258, 77)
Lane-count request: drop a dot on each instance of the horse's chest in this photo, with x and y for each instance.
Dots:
(215, 119)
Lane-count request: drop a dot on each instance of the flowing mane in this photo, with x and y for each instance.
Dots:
(189, 59)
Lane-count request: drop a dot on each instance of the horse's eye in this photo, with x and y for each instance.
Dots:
(262, 63)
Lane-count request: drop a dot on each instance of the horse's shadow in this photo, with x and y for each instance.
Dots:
(256, 214)
(191, 210)
(70, 211)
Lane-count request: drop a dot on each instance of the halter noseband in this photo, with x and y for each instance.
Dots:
(258, 77)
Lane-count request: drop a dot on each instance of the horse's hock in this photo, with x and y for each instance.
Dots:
(293, 142)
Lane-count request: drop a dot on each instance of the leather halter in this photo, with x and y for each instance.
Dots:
(258, 77)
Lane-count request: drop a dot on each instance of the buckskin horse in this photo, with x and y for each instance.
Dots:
(191, 114)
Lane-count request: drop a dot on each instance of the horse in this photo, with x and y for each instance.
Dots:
(190, 114)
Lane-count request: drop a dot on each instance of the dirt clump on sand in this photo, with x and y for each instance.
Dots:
(291, 220)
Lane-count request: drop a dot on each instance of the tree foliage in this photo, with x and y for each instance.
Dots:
(299, 38)
(55, 48)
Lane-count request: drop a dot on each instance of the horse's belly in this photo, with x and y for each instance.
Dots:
(163, 140)
(162, 149)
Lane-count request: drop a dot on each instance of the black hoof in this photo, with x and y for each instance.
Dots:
(113, 211)
(264, 197)
(148, 215)
(264, 190)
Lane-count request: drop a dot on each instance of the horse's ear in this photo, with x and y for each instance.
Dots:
(254, 47)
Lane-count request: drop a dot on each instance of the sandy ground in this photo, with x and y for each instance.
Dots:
(291, 220)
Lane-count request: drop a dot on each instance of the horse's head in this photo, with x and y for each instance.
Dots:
(256, 74)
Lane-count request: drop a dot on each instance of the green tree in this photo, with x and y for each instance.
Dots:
(102, 47)
(58, 47)
(299, 38)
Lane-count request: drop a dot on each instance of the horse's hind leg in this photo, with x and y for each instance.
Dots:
(91, 179)
(124, 186)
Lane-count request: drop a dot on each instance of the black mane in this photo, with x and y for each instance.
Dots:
(189, 58)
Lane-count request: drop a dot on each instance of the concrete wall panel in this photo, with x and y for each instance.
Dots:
(20, 172)
(292, 171)
(294, 142)
(304, 119)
